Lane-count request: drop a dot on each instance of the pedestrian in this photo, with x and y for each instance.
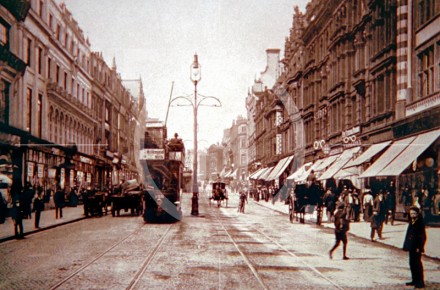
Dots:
(390, 201)
(17, 214)
(376, 225)
(356, 205)
(342, 226)
(426, 204)
(38, 206)
(380, 206)
(367, 204)
(329, 202)
(407, 200)
(414, 243)
(26, 200)
(348, 201)
(59, 202)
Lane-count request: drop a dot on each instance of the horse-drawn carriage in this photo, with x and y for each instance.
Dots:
(128, 198)
(219, 193)
(304, 199)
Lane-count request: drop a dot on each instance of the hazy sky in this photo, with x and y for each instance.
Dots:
(156, 40)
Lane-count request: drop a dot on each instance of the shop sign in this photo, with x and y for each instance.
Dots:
(10, 139)
(71, 177)
(79, 176)
(89, 177)
(152, 154)
(40, 170)
(85, 160)
(30, 169)
(51, 172)
(175, 156)
(62, 177)
(352, 131)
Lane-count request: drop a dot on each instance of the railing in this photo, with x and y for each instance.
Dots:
(423, 104)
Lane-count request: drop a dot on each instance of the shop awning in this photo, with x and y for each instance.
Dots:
(265, 174)
(279, 168)
(325, 163)
(302, 171)
(339, 163)
(395, 149)
(256, 173)
(366, 156)
(261, 172)
(222, 173)
(411, 153)
(233, 174)
(347, 172)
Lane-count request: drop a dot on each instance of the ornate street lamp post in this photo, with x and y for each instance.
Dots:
(195, 76)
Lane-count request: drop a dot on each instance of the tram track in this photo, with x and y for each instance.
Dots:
(252, 231)
(138, 275)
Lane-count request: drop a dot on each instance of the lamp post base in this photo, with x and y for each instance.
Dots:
(195, 204)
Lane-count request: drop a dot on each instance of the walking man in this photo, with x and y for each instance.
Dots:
(38, 206)
(342, 226)
(414, 243)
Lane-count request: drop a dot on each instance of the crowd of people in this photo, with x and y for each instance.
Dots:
(22, 202)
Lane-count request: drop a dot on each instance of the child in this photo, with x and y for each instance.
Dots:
(376, 225)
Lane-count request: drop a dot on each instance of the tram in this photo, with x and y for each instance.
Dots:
(162, 166)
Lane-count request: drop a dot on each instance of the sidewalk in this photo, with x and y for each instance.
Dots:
(47, 221)
(393, 235)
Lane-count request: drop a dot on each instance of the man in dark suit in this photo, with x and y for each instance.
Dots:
(414, 243)
(342, 226)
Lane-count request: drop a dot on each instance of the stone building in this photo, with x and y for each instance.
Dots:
(359, 92)
(69, 110)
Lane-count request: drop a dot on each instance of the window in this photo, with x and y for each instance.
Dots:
(58, 32)
(243, 143)
(49, 66)
(4, 33)
(57, 76)
(39, 60)
(51, 120)
(40, 7)
(65, 81)
(50, 21)
(243, 159)
(426, 72)
(39, 115)
(29, 110)
(4, 104)
(426, 10)
(380, 94)
(28, 51)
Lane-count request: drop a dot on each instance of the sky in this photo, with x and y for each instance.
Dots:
(156, 40)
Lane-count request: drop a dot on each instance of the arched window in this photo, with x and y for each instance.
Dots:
(51, 120)
(62, 128)
(57, 127)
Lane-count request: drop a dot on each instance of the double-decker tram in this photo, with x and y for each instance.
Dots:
(162, 164)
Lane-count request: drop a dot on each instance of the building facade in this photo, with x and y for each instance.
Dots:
(72, 115)
(356, 73)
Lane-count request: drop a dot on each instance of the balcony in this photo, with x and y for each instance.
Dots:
(18, 8)
(11, 59)
(423, 104)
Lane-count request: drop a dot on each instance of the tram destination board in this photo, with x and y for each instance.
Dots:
(152, 154)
